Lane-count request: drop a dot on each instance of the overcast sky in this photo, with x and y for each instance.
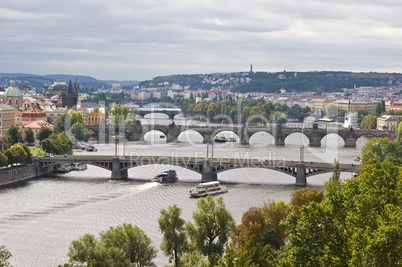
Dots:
(138, 40)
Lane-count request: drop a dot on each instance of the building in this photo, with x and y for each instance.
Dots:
(70, 97)
(387, 122)
(12, 96)
(29, 115)
(351, 120)
(7, 118)
(53, 113)
(57, 88)
(96, 116)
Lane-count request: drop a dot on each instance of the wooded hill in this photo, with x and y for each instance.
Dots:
(326, 81)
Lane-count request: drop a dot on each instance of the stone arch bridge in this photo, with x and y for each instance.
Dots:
(137, 132)
(209, 168)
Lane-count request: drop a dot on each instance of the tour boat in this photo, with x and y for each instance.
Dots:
(231, 139)
(209, 188)
(220, 139)
(166, 177)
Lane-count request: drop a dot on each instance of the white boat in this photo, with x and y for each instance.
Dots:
(209, 188)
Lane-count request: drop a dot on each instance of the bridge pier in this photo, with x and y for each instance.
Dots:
(208, 174)
(350, 142)
(301, 175)
(117, 172)
(315, 140)
(279, 140)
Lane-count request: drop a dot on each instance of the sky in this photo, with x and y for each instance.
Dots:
(139, 40)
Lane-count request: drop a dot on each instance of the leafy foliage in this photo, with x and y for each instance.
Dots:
(212, 226)
(56, 143)
(14, 135)
(358, 223)
(303, 196)
(124, 245)
(43, 133)
(369, 122)
(29, 136)
(174, 241)
(4, 256)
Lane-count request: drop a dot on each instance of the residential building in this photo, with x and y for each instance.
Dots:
(351, 120)
(30, 114)
(387, 122)
(7, 118)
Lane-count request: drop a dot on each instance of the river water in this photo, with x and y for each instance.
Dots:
(40, 218)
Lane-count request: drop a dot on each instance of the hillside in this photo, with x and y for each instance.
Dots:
(272, 82)
(87, 82)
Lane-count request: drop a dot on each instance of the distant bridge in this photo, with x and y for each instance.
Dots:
(279, 133)
(209, 168)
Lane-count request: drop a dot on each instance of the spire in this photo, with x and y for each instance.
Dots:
(70, 90)
(76, 86)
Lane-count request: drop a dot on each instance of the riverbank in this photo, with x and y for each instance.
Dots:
(16, 174)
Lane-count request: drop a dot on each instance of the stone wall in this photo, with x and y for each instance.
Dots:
(21, 173)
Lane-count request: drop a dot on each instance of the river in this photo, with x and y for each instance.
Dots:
(40, 218)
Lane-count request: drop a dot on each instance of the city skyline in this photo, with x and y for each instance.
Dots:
(127, 40)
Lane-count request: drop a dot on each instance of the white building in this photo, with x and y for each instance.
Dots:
(351, 120)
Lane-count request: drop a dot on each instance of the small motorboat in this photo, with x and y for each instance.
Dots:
(166, 177)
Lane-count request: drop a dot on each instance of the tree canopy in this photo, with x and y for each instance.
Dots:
(4, 256)
(212, 226)
(123, 245)
(174, 241)
(358, 223)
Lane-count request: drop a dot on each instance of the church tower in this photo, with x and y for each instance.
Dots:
(70, 98)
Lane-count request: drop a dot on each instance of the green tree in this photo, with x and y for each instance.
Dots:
(378, 109)
(335, 177)
(29, 136)
(123, 114)
(18, 153)
(79, 131)
(14, 135)
(374, 149)
(399, 133)
(332, 111)
(123, 245)
(212, 226)
(359, 223)
(4, 256)
(56, 143)
(65, 121)
(3, 159)
(369, 122)
(174, 241)
(278, 118)
(274, 213)
(29, 159)
(360, 115)
(43, 133)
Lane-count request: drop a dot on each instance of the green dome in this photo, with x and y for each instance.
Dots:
(12, 91)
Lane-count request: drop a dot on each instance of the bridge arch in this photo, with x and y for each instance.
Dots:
(155, 136)
(297, 138)
(227, 133)
(262, 138)
(190, 136)
(333, 140)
